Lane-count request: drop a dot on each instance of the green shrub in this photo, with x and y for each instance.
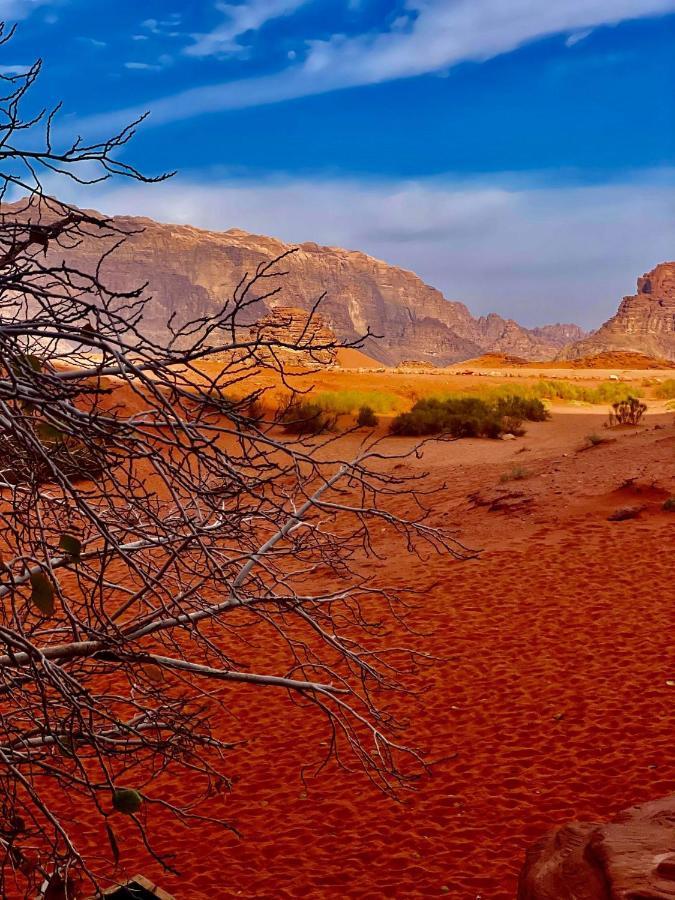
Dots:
(466, 416)
(366, 418)
(665, 390)
(303, 418)
(528, 408)
(669, 504)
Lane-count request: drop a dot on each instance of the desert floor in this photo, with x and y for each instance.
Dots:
(552, 698)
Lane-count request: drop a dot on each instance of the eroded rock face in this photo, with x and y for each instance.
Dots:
(630, 858)
(644, 323)
(191, 272)
(313, 342)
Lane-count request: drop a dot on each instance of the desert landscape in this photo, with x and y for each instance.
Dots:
(548, 697)
(337, 451)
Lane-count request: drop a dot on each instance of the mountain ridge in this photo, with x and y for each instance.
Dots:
(195, 269)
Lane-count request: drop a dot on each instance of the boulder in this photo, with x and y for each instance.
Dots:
(630, 858)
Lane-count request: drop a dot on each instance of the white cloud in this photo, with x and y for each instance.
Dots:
(578, 36)
(13, 70)
(162, 27)
(142, 66)
(439, 34)
(93, 42)
(13, 10)
(510, 246)
(240, 19)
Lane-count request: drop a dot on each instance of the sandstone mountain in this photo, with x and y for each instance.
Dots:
(190, 272)
(645, 322)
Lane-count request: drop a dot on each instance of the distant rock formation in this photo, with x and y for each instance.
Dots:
(645, 322)
(313, 342)
(631, 857)
(191, 272)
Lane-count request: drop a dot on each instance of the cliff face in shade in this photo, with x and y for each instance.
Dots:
(645, 322)
(191, 272)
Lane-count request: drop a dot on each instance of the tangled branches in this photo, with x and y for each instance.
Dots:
(154, 533)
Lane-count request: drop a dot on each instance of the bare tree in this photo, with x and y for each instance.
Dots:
(153, 523)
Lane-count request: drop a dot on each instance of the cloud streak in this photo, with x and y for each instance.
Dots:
(239, 20)
(432, 36)
(14, 10)
(534, 253)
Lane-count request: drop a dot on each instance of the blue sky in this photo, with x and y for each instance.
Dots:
(517, 154)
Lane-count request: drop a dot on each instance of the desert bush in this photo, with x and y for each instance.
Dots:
(469, 416)
(627, 412)
(528, 408)
(512, 425)
(459, 417)
(302, 417)
(665, 390)
(366, 418)
(669, 504)
(594, 439)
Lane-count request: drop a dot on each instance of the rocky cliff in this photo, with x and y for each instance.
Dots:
(191, 272)
(312, 342)
(645, 322)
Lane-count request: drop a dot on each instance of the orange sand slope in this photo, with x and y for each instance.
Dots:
(612, 360)
(552, 699)
(609, 359)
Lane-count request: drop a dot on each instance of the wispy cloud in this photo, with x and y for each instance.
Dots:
(578, 36)
(13, 10)
(14, 70)
(239, 20)
(432, 36)
(166, 27)
(93, 42)
(506, 245)
(162, 62)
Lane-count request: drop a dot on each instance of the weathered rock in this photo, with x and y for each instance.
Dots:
(630, 858)
(313, 342)
(191, 272)
(644, 323)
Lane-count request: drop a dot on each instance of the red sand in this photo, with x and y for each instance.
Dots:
(550, 701)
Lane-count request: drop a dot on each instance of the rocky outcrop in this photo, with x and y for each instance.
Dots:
(191, 273)
(645, 322)
(631, 857)
(292, 337)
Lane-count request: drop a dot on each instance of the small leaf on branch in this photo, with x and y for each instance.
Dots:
(127, 800)
(71, 545)
(113, 843)
(153, 672)
(29, 360)
(42, 593)
(66, 745)
(48, 434)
